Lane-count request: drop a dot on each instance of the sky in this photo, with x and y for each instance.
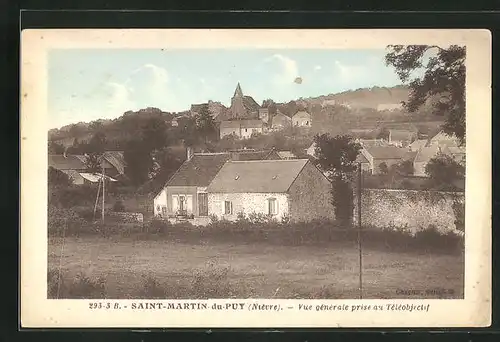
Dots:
(91, 84)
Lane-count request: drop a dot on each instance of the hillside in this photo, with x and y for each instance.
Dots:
(363, 98)
(361, 111)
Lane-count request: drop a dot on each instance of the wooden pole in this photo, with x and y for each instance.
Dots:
(103, 189)
(359, 235)
(97, 198)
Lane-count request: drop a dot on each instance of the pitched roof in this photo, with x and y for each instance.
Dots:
(426, 153)
(368, 143)
(302, 114)
(386, 152)
(410, 155)
(252, 155)
(280, 119)
(418, 144)
(361, 158)
(70, 162)
(238, 91)
(250, 104)
(199, 170)
(262, 176)
(116, 159)
(286, 154)
(95, 177)
(401, 135)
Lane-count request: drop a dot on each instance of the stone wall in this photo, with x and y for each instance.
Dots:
(411, 210)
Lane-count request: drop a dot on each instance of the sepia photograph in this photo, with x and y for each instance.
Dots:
(223, 173)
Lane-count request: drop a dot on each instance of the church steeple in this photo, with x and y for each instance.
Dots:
(238, 92)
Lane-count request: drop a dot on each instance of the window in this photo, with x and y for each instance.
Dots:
(246, 130)
(228, 208)
(272, 206)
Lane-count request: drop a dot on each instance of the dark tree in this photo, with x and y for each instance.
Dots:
(337, 158)
(443, 171)
(154, 134)
(443, 81)
(97, 144)
(205, 125)
(337, 154)
(138, 160)
(58, 178)
(383, 168)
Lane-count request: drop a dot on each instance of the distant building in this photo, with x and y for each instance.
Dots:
(242, 106)
(365, 164)
(278, 188)
(242, 129)
(443, 139)
(389, 155)
(75, 166)
(311, 150)
(301, 119)
(401, 138)
(424, 155)
(281, 121)
(264, 115)
(418, 144)
(286, 155)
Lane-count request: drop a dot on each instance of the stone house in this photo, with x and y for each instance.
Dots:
(242, 129)
(75, 167)
(293, 188)
(418, 144)
(389, 155)
(185, 192)
(281, 121)
(365, 164)
(302, 119)
(423, 156)
(443, 139)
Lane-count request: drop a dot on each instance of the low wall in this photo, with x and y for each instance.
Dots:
(413, 210)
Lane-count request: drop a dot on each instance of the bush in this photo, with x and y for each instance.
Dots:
(82, 286)
(158, 226)
(85, 287)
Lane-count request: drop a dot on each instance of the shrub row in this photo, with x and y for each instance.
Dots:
(258, 230)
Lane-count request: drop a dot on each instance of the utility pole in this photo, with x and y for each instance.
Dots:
(359, 234)
(103, 189)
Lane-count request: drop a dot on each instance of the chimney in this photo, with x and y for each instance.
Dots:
(189, 152)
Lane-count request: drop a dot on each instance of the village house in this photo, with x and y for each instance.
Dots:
(302, 119)
(185, 193)
(389, 156)
(418, 144)
(281, 121)
(401, 138)
(242, 129)
(365, 164)
(443, 139)
(294, 189)
(372, 142)
(311, 150)
(424, 155)
(286, 155)
(75, 166)
(264, 115)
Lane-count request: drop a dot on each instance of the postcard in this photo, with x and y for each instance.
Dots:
(176, 178)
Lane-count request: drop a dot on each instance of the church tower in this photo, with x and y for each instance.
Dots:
(238, 110)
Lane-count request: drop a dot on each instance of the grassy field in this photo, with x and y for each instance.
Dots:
(255, 270)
